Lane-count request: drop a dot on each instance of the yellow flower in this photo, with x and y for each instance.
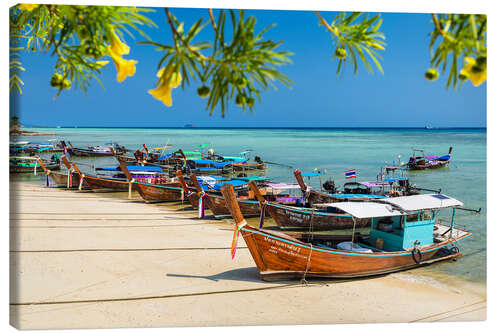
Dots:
(117, 46)
(27, 6)
(123, 67)
(164, 91)
(477, 74)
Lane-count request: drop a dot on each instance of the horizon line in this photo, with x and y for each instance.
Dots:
(263, 127)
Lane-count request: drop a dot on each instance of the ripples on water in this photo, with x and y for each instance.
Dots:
(337, 150)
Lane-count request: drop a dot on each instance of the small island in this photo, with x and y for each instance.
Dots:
(16, 129)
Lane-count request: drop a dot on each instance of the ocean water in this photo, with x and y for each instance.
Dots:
(335, 151)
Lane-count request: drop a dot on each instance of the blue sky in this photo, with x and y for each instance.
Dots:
(400, 97)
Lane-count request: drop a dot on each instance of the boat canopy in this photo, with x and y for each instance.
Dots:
(311, 174)
(254, 178)
(371, 184)
(235, 159)
(235, 183)
(144, 168)
(356, 196)
(394, 206)
(283, 186)
(362, 210)
(392, 180)
(422, 202)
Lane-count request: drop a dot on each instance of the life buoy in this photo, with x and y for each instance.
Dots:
(414, 253)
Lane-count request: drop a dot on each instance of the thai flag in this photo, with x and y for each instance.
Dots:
(350, 174)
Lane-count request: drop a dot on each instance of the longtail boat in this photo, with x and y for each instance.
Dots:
(100, 183)
(161, 192)
(316, 218)
(94, 151)
(32, 148)
(30, 164)
(394, 242)
(423, 161)
(214, 200)
(69, 179)
(312, 196)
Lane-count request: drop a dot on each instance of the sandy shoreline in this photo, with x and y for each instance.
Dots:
(86, 260)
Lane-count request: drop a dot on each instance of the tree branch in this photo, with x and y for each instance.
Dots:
(212, 19)
(323, 21)
(172, 28)
(437, 24)
(176, 34)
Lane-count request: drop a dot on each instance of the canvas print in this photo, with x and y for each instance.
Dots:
(200, 167)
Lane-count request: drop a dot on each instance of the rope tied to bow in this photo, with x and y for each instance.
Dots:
(262, 212)
(81, 182)
(303, 280)
(201, 204)
(69, 181)
(234, 245)
(47, 182)
(130, 188)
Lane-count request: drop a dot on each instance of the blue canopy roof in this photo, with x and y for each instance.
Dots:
(311, 174)
(391, 180)
(144, 168)
(218, 186)
(215, 164)
(161, 158)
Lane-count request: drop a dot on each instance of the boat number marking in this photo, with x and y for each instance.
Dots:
(288, 249)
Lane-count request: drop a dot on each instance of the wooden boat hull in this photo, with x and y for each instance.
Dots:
(217, 205)
(293, 217)
(159, 193)
(439, 164)
(61, 179)
(89, 153)
(25, 169)
(99, 184)
(246, 167)
(315, 197)
(279, 256)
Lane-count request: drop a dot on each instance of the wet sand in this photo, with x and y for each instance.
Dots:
(96, 260)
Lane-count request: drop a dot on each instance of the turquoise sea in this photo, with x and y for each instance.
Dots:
(336, 150)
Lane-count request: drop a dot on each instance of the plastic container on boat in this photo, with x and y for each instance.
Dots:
(349, 246)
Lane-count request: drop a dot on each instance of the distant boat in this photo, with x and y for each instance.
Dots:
(428, 127)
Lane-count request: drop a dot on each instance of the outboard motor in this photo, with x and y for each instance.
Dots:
(329, 186)
(258, 159)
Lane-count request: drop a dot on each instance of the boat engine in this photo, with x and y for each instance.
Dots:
(329, 186)
(258, 159)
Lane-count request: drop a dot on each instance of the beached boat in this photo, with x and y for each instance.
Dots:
(423, 161)
(298, 216)
(165, 191)
(94, 151)
(100, 183)
(249, 205)
(69, 179)
(32, 148)
(118, 182)
(395, 242)
(31, 164)
(312, 196)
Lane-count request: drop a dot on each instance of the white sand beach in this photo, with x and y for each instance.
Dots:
(95, 260)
